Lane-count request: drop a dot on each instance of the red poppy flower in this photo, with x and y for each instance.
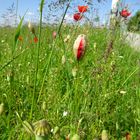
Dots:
(35, 39)
(77, 16)
(82, 9)
(20, 38)
(125, 13)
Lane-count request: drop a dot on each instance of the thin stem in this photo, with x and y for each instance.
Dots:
(37, 61)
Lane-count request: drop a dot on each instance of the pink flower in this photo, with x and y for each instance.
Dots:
(79, 46)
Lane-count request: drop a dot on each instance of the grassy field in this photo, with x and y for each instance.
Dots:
(43, 80)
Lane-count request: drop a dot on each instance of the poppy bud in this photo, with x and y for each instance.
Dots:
(104, 135)
(31, 28)
(1, 108)
(74, 71)
(44, 106)
(75, 137)
(63, 60)
(79, 46)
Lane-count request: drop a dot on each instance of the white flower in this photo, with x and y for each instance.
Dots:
(65, 113)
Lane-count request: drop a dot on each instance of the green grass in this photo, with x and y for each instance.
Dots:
(93, 96)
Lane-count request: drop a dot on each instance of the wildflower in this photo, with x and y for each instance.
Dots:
(20, 38)
(35, 39)
(1, 108)
(82, 9)
(79, 46)
(77, 16)
(125, 13)
(65, 113)
(104, 135)
(31, 28)
(54, 34)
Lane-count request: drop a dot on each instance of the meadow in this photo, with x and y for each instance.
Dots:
(43, 80)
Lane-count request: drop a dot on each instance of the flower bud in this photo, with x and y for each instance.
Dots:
(104, 135)
(1, 108)
(44, 106)
(74, 71)
(79, 46)
(75, 137)
(31, 28)
(63, 59)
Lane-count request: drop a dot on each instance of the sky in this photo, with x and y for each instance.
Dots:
(32, 8)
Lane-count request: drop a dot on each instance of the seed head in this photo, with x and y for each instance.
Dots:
(42, 128)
